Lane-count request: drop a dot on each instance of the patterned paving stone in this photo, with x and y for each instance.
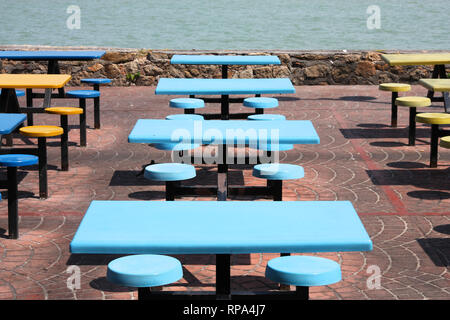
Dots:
(404, 205)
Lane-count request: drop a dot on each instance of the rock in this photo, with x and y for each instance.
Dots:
(295, 63)
(341, 75)
(317, 71)
(419, 73)
(118, 57)
(262, 72)
(158, 57)
(152, 70)
(244, 74)
(96, 67)
(298, 77)
(365, 69)
(112, 71)
(146, 81)
(175, 73)
(131, 67)
(372, 56)
(281, 72)
(284, 59)
(348, 58)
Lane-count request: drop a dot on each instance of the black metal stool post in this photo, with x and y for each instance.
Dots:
(42, 154)
(97, 108)
(394, 110)
(434, 145)
(170, 190)
(64, 143)
(83, 122)
(412, 126)
(13, 214)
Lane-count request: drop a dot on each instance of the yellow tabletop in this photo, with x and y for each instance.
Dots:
(440, 85)
(410, 59)
(34, 81)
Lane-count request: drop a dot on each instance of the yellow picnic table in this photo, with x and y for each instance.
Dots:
(438, 85)
(411, 59)
(10, 82)
(438, 60)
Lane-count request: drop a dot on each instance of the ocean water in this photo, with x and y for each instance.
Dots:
(229, 24)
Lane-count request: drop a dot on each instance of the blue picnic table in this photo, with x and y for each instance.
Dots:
(224, 60)
(224, 88)
(224, 134)
(52, 57)
(10, 122)
(219, 228)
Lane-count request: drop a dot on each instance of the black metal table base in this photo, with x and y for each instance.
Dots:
(223, 289)
(436, 133)
(439, 72)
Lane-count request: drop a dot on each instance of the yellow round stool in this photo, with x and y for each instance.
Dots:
(412, 103)
(42, 133)
(64, 112)
(434, 119)
(445, 142)
(395, 88)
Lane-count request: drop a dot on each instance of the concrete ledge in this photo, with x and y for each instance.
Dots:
(126, 66)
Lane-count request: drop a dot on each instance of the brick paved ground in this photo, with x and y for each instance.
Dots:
(404, 205)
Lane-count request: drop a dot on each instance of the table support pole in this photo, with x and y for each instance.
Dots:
(223, 264)
(65, 143)
(394, 110)
(47, 98)
(42, 154)
(224, 71)
(434, 145)
(225, 107)
(8, 101)
(13, 215)
(412, 127)
(29, 93)
(438, 72)
(302, 293)
(53, 68)
(222, 175)
(83, 137)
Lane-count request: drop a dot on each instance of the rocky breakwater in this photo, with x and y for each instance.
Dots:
(145, 67)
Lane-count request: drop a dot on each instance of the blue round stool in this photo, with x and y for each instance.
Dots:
(185, 117)
(187, 104)
(270, 117)
(96, 81)
(278, 171)
(260, 103)
(303, 272)
(170, 173)
(82, 95)
(12, 161)
(144, 271)
(266, 117)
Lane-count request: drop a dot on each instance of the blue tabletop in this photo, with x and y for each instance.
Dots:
(225, 227)
(224, 59)
(224, 131)
(10, 121)
(52, 55)
(223, 86)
